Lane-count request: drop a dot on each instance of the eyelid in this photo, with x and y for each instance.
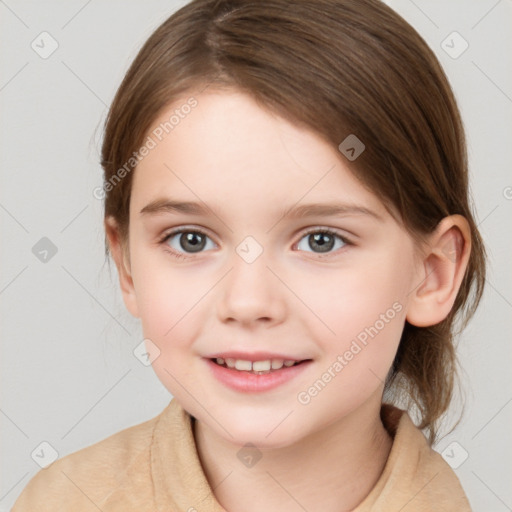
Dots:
(330, 231)
(181, 229)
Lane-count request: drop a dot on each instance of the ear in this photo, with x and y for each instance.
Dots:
(120, 254)
(440, 272)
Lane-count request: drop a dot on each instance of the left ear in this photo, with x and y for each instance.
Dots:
(442, 268)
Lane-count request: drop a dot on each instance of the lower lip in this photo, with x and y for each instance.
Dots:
(253, 383)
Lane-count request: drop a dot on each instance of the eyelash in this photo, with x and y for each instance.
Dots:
(183, 256)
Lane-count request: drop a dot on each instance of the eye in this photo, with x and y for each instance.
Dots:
(191, 241)
(323, 241)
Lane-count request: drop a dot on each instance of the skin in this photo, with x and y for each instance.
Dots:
(247, 165)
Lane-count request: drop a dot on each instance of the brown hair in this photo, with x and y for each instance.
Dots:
(338, 67)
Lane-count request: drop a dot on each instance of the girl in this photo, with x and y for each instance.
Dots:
(286, 202)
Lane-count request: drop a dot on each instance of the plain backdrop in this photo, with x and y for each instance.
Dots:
(68, 373)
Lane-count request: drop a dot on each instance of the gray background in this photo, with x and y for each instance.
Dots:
(68, 373)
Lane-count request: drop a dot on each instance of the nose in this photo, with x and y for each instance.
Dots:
(251, 294)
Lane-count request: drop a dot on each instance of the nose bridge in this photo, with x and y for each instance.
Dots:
(250, 291)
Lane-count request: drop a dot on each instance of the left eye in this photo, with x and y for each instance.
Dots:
(323, 240)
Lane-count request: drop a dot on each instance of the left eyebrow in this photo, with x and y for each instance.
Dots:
(329, 210)
(160, 206)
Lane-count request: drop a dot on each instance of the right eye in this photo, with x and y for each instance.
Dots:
(188, 242)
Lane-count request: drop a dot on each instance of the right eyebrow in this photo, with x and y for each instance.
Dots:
(168, 206)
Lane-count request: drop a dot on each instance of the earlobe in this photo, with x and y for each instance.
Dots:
(441, 272)
(119, 255)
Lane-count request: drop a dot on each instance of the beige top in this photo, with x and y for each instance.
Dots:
(154, 466)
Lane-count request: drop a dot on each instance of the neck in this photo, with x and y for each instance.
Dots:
(332, 469)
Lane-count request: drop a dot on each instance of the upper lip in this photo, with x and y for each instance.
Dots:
(254, 356)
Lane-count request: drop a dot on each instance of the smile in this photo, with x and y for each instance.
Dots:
(247, 378)
(256, 367)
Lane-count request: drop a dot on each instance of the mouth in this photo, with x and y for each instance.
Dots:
(258, 376)
(256, 367)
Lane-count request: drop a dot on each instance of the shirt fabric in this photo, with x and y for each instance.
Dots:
(155, 466)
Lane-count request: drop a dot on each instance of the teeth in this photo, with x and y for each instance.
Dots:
(261, 366)
(276, 364)
(256, 366)
(230, 363)
(243, 365)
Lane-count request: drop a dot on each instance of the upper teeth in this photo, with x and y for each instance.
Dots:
(258, 366)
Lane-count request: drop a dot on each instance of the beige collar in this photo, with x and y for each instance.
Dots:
(413, 470)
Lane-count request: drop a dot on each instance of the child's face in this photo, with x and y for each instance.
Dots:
(248, 167)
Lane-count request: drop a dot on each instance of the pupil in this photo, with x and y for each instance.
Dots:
(319, 238)
(196, 241)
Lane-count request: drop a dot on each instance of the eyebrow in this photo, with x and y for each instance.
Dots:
(162, 206)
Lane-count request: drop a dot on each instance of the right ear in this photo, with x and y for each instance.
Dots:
(119, 252)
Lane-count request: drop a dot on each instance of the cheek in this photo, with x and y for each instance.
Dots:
(165, 298)
(352, 299)
(364, 308)
(167, 301)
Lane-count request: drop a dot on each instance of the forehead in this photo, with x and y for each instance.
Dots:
(229, 150)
